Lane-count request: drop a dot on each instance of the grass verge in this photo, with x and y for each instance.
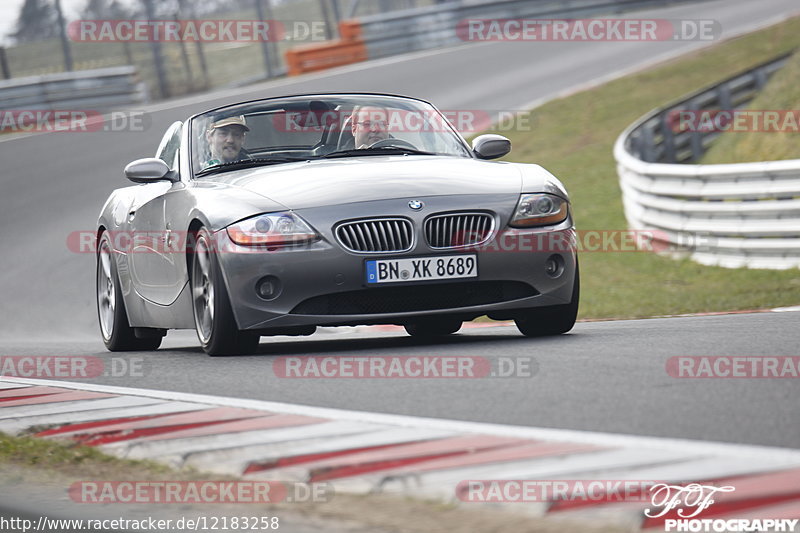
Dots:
(38, 472)
(573, 137)
(781, 93)
(27, 452)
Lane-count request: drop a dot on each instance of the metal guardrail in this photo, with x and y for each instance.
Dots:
(436, 26)
(96, 90)
(655, 138)
(731, 215)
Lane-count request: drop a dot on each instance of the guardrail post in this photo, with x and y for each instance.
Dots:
(695, 138)
(724, 96)
(4, 64)
(635, 143)
(669, 139)
(647, 145)
(761, 79)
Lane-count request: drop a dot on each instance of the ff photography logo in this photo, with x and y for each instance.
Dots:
(687, 502)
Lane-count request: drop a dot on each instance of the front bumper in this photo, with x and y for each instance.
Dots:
(323, 284)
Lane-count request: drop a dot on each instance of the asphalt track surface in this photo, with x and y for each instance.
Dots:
(607, 376)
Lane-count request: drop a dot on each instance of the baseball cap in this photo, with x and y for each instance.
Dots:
(230, 121)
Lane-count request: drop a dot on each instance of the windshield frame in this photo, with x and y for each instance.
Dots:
(191, 122)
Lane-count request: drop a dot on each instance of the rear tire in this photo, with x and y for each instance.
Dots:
(434, 327)
(211, 306)
(118, 335)
(552, 320)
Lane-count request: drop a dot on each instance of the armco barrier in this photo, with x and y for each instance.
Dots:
(409, 30)
(733, 215)
(97, 90)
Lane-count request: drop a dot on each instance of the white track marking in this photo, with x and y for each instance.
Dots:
(149, 407)
(545, 434)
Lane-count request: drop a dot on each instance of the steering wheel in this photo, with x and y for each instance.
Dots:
(398, 143)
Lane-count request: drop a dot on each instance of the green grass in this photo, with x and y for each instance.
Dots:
(573, 137)
(781, 93)
(32, 452)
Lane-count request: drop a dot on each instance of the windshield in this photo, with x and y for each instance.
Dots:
(301, 128)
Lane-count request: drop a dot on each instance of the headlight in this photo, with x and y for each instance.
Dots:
(271, 229)
(539, 210)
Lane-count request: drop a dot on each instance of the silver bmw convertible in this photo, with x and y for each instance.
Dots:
(276, 216)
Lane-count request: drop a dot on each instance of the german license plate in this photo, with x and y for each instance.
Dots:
(422, 268)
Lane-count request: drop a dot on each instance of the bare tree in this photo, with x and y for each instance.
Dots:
(37, 20)
(105, 10)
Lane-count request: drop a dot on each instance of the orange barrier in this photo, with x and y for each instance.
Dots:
(350, 30)
(350, 48)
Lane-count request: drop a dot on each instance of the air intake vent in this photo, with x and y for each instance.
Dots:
(414, 298)
(458, 229)
(378, 235)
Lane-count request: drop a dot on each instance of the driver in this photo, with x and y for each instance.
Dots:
(370, 125)
(225, 139)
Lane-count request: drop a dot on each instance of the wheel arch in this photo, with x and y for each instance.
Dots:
(194, 226)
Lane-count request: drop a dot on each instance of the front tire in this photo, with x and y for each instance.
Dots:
(213, 315)
(553, 320)
(118, 335)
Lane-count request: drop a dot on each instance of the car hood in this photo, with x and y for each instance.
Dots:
(362, 179)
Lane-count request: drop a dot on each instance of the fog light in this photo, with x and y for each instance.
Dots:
(554, 266)
(268, 288)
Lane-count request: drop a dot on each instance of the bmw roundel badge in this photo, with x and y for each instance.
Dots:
(416, 205)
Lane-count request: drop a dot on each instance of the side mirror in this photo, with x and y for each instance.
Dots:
(149, 170)
(490, 146)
